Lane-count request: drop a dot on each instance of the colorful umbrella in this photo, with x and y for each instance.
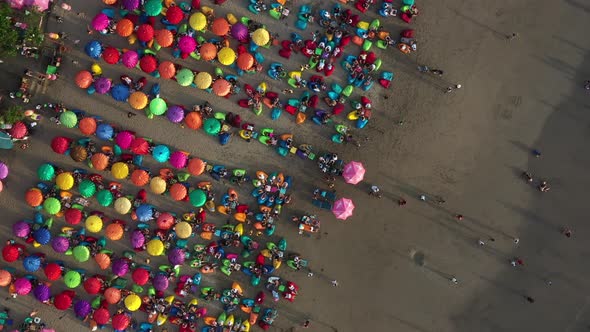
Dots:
(102, 260)
(132, 302)
(93, 49)
(92, 285)
(101, 316)
(32, 263)
(208, 51)
(52, 205)
(239, 31)
(100, 22)
(178, 159)
(18, 130)
(176, 256)
(93, 223)
(245, 61)
(99, 161)
(112, 295)
(10, 253)
(196, 166)
(187, 44)
(139, 146)
(114, 231)
(157, 185)
(158, 106)
(46, 172)
(138, 100)
(198, 21)
(130, 59)
(160, 282)
(197, 197)
(5, 278)
(72, 279)
(140, 177)
(82, 308)
(137, 239)
(221, 87)
(81, 253)
(226, 56)
(175, 114)
(124, 139)
(184, 77)
(261, 37)
(22, 286)
(155, 247)
(343, 208)
(131, 5)
(164, 37)
(42, 235)
(193, 120)
(87, 188)
(105, 197)
(62, 301)
(151, 8)
(120, 267)
(353, 172)
(105, 131)
(124, 27)
(34, 197)
(148, 64)
(42, 293)
(220, 26)
(145, 33)
(65, 181)
(87, 126)
(161, 153)
(178, 191)
(120, 92)
(121, 321)
(60, 144)
(174, 15)
(145, 212)
(111, 55)
(102, 85)
(203, 80)
(183, 230)
(212, 126)
(140, 276)
(120, 170)
(60, 244)
(52, 271)
(78, 153)
(123, 205)
(166, 69)
(73, 216)
(165, 221)
(21, 229)
(83, 79)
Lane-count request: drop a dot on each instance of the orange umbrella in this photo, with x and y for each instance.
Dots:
(100, 161)
(103, 260)
(124, 27)
(112, 295)
(83, 79)
(196, 166)
(220, 26)
(87, 126)
(193, 120)
(221, 87)
(34, 197)
(138, 100)
(245, 61)
(140, 178)
(164, 37)
(178, 192)
(167, 69)
(114, 232)
(208, 51)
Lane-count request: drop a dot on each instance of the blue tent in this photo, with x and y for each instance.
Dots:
(120, 92)
(93, 49)
(161, 153)
(104, 131)
(32, 263)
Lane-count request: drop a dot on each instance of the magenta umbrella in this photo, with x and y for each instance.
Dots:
(42, 293)
(21, 229)
(102, 85)
(176, 256)
(60, 244)
(120, 267)
(131, 4)
(353, 172)
(178, 159)
(239, 31)
(22, 286)
(100, 22)
(187, 44)
(160, 282)
(343, 208)
(124, 139)
(175, 114)
(130, 59)
(137, 239)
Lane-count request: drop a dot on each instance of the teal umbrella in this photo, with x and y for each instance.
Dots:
(158, 106)
(105, 197)
(46, 172)
(185, 77)
(153, 7)
(161, 153)
(5, 141)
(68, 119)
(197, 197)
(212, 126)
(87, 188)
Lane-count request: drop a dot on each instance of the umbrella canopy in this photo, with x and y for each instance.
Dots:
(62, 301)
(176, 256)
(102, 260)
(114, 232)
(60, 144)
(34, 197)
(183, 230)
(140, 177)
(18, 130)
(145, 212)
(203, 80)
(178, 191)
(102, 85)
(158, 106)
(239, 31)
(145, 33)
(65, 181)
(148, 64)
(93, 49)
(139, 146)
(120, 92)
(184, 77)
(130, 59)
(78, 153)
(178, 159)
(120, 170)
(174, 15)
(155, 247)
(131, 4)
(100, 22)
(161, 153)
(187, 44)
(212, 126)
(60, 244)
(5, 278)
(83, 79)
(132, 302)
(82, 308)
(42, 293)
(87, 126)
(198, 21)
(157, 185)
(112, 295)
(92, 285)
(46, 172)
(151, 8)
(165, 221)
(198, 197)
(42, 235)
(101, 316)
(140, 276)
(105, 131)
(52, 271)
(164, 37)
(111, 55)
(193, 120)
(21, 229)
(160, 282)
(22, 286)
(245, 61)
(121, 321)
(81, 253)
(10, 253)
(166, 69)
(73, 216)
(226, 56)
(124, 139)
(105, 197)
(87, 188)
(343, 208)
(137, 239)
(221, 87)
(220, 26)
(72, 279)
(175, 114)
(124, 27)
(32, 263)
(196, 166)
(52, 206)
(138, 100)
(261, 37)
(100, 161)
(120, 267)
(353, 172)
(68, 119)
(122, 205)
(208, 51)
(93, 224)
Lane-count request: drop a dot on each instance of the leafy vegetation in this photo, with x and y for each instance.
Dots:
(12, 115)
(8, 34)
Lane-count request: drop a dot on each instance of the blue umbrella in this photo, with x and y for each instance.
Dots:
(104, 131)
(32, 263)
(93, 49)
(42, 236)
(161, 153)
(120, 92)
(145, 212)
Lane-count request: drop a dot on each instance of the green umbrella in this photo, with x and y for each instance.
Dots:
(158, 106)
(185, 77)
(68, 119)
(153, 7)
(72, 279)
(212, 126)
(104, 197)
(197, 197)
(81, 253)
(87, 188)
(46, 172)
(52, 205)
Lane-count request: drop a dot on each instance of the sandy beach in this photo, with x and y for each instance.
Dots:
(394, 264)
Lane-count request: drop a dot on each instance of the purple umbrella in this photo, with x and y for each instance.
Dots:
(187, 44)
(176, 256)
(100, 22)
(60, 244)
(160, 282)
(120, 267)
(22, 286)
(21, 229)
(3, 171)
(131, 4)
(124, 139)
(130, 59)
(137, 239)
(102, 85)
(178, 159)
(239, 31)
(82, 308)
(175, 114)
(42, 293)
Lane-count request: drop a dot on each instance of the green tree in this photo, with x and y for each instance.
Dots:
(8, 34)
(33, 37)
(13, 115)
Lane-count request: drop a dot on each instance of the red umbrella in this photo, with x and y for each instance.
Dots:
(148, 63)
(73, 216)
(165, 221)
(60, 144)
(139, 146)
(174, 15)
(120, 321)
(62, 301)
(101, 316)
(220, 26)
(18, 130)
(111, 55)
(92, 285)
(10, 253)
(140, 276)
(52, 271)
(145, 33)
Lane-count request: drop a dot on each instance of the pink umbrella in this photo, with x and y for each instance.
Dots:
(353, 172)
(42, 5)
(343, 208)
(124, 139)
(239, 31)
(137, 239)
(102, 85)
(18, 4)
(23, 286)
(178, 159)
(100, 22)
(21, 229)
(130, 59)
(187, 44)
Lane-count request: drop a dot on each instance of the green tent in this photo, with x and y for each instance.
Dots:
(52, 205)
(68, 119)
(72, 279)
(87, 188)
(158, 106)
(153, 7)
(197, 197)
(105, 197)
(185, 77)
(46, 172)
(81, 253)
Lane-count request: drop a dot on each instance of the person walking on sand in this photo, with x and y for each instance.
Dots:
(529, 299)
(375, 191)
(306, 323)
(566, 231)
(335, 283)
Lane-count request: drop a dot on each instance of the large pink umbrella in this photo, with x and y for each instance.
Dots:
(42, 5)
(353, 172)
(343, 208)
(187, 44)
(23, 286)
(100, 22)
(130, 59)
(178, 159)
(124, 139)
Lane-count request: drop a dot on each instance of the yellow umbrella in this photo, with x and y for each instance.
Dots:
(158, 185)
(65, 181)
(122, 205)
(198, 21)
(132, 302)
(226, 56)
(138, 100)
(261, 37)
(93, 224)
(203, 80)
(183, 230)
(120, 170)
(155, 247)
